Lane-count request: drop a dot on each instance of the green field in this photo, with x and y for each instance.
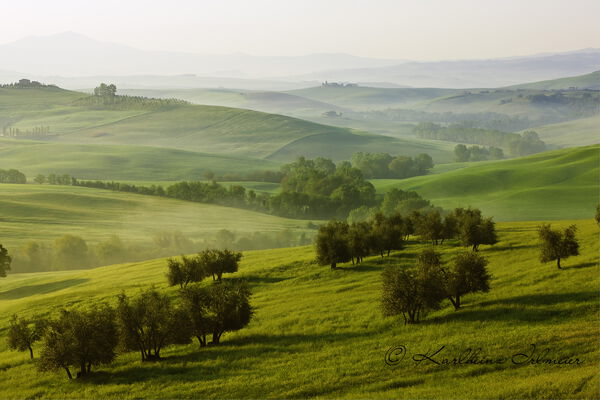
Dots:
(205, 129)
(581, 132)
(271, 102)
(562, 184)
(45, 212)
(320, 333)
(120, 162)
(370, 98)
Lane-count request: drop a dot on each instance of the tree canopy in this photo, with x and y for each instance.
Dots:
(557, 245)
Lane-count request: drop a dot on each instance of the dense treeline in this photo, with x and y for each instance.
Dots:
(105, 97)
(339, 241)
(383, 165)
(12, 176)
(310, 189)
(82, 338)
(517, 145)
(73, 252)
(483, 120)
(463, 153)
(25, 84)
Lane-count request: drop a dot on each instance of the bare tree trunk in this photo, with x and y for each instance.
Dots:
(68, 372)
(558, 263)
(30, 352)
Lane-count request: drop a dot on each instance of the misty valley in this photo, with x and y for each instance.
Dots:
(181, 225)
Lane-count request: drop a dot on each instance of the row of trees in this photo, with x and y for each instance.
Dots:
(74, 252)
(26, 84)
(516, 144)
(83, 338)
(12, 176)
(105, 97)
(210, 262)
(483, 120)
(54, 179)
(463, 153)
(383, 165)
(339, 242)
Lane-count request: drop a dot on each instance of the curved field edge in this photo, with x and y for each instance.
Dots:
(561, 184)
(320, 333)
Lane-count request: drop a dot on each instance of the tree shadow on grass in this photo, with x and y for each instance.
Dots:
(360, 268)
(583, 265)
(30, 290)
(177, 368)
(521, 308)
(512, 247)
(543, 299)
(257, 279)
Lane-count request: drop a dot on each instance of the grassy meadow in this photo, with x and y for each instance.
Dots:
(121, 162)
(46, 212)
(561, 184)
(320, 333)
(583, 131)
(198, 128)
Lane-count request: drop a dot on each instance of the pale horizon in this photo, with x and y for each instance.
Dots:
(403, 30)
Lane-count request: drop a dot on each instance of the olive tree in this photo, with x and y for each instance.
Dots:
(80, 339)
(5, 261)
(412, 292)
(474, 230)
(467, 274)
(218, 308)
(189, 269)
(332, 246)
(556, 245)
(23, 333)
(149, 322)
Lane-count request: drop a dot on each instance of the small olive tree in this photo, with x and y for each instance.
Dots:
(189, 269)
(216, 309)
(556, 245)
(149, 322)
(5, 261)
(332, 245)
(473, 230)
(80, 339)
(23, 333)
(412, 292)
(468, 274)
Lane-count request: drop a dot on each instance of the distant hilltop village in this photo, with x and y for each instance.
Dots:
(339, 84)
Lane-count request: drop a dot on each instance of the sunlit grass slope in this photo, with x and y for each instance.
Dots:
(578, 132)
(121, 162)
(45, 212)
(552, 185)
(320, 333)
(199, 128)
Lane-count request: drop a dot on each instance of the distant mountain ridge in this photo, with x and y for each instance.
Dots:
(75, 61)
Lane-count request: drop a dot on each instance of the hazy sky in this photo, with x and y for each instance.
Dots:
(403, 29)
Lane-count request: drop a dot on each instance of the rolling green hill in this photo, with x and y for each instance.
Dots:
(587, 81)
(206, 129)
(45, 212)
(552, 185)
(271, 102)
(370, 98)
(341, 146)
(580, 132)
(320, 333)
(120, 162)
